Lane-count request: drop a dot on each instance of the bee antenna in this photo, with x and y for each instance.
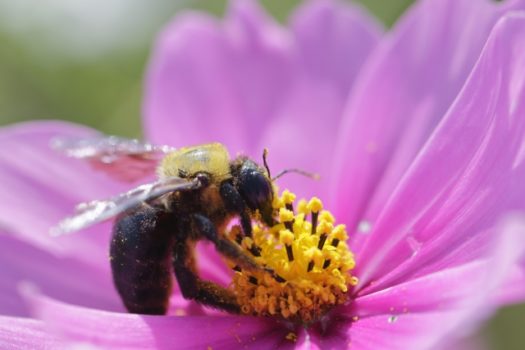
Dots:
(313, 176)
(265, 162)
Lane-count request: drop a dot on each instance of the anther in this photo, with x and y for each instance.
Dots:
(326, 216)
(322, 239)
(326, 263)
(302, 207)
(269, 271)
(274, 275)
(315, 216)
(315, 206)
(339, 233)
(288, 197)
(310, 266)
(313, 275)
(286, 237)
(287, 217)
(279, 278)
(289, 252)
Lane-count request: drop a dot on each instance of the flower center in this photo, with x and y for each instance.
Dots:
(310, 259)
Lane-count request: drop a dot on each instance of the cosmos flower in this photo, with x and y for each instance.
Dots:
(421, 155)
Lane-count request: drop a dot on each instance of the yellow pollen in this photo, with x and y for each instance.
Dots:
(302, 207)
(315, 205)
(327, 216)
(324, 227)
(308, 262)
(339, 232)
(287, 197)
(285, 215)
(286, 237)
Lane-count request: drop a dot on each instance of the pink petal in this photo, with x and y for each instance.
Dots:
(434, 311)
(437, 307)
(250, 84)
(367, 339)
(305, 341)
(406, 333)
(306, 147)
(404, 91)
(334, 40)
(464, 178)
(127, 331)
(43, 186)
(513, 291)
(211, 81)
(64, 278)
(468, 343)
(24, 333)
(212, 264)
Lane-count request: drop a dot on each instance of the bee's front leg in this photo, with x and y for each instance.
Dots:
(235, 204)
(224, 246)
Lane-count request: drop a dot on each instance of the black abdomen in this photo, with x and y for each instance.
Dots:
(140, 259)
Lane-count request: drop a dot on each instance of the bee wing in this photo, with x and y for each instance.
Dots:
(126, 160)
(100, 210)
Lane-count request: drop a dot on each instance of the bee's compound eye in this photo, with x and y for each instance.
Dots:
(255, 188)
(203, 178)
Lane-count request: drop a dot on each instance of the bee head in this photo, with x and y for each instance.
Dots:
(255, 186)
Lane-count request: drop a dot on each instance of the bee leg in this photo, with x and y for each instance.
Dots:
(234, 203)
(226, 247)
(140, 259)
(192, 287)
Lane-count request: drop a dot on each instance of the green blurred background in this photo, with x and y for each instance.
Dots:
(83, 61)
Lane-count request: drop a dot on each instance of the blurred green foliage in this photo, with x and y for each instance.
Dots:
(505, 330)
(105, 93)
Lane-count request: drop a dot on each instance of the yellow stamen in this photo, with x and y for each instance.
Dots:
(285, 215)
(311, 263)
(288, 197)
(315, 205)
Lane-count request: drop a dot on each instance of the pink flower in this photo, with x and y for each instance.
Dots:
(421, 154)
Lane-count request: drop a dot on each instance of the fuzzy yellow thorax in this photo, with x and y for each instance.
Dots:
(309, 257)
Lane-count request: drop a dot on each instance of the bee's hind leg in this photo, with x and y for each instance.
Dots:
(203, 291)
(192, 287)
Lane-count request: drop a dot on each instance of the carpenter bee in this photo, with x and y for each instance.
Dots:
(197, 191)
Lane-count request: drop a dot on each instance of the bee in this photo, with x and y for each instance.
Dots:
(197, 192)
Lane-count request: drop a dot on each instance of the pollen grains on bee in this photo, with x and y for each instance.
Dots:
(310, 260)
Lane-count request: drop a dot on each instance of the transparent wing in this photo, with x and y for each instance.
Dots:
(123, 159)
(100, 210)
